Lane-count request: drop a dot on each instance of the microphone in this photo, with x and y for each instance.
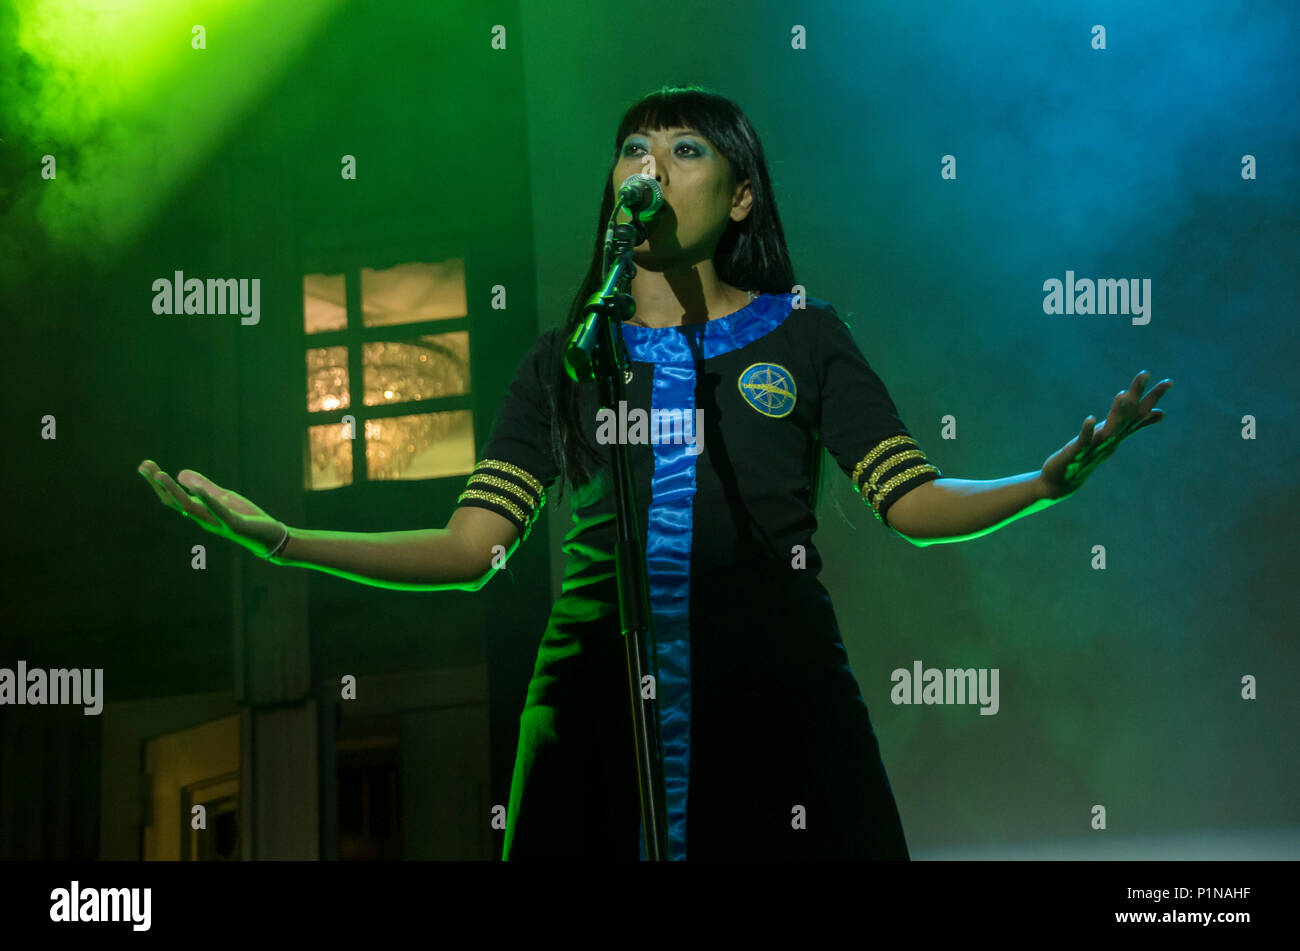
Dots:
(641, 196)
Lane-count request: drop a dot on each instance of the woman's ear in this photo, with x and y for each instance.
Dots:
(742, 201)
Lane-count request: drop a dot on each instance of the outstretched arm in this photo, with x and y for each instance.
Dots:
(957, 510)
(461, 557)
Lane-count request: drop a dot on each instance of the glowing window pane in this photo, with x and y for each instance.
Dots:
(413, 292)
(331, 456)
(327, 379)
(426, 446)
(324, 303)
(426, 368)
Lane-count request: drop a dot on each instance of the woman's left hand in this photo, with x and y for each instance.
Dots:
(1069, 467)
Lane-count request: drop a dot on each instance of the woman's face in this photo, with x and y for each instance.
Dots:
(699, 196)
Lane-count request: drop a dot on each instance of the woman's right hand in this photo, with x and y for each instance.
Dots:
(217, 510)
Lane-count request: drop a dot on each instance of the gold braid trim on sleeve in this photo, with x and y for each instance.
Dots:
(487, 484)
(881, 467)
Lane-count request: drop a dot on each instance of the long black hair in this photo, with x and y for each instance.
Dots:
(750, 255)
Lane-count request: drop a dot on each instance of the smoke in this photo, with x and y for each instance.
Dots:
(23, 241)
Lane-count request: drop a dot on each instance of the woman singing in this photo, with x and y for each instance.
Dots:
(769, 751)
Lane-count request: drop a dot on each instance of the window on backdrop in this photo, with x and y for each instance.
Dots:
(388, 384)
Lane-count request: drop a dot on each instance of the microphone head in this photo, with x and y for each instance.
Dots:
(641, 196)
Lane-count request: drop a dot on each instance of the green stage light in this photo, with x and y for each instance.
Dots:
(129, 98)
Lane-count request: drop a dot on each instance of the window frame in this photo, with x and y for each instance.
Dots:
(354, 336)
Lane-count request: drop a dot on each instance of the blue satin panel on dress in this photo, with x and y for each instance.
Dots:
(674, 352)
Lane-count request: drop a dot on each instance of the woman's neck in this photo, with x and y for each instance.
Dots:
(690, 296)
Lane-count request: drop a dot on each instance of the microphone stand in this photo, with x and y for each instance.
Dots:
(596, 353)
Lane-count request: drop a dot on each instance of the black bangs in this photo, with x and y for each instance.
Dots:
(715, 117)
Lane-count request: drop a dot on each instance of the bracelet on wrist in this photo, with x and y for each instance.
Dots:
(279, 548)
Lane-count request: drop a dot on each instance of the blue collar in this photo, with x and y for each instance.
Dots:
(691, 342)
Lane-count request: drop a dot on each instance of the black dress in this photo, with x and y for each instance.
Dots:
(768, 748)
